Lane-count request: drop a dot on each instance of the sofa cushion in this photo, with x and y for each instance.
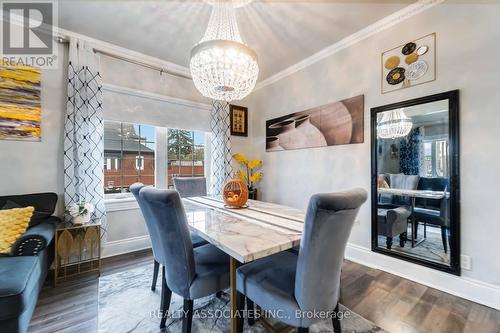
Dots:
(18, 281)
(13, 223)
(44, 203)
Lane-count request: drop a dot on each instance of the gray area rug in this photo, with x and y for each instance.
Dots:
(431, 248)
(127, 304)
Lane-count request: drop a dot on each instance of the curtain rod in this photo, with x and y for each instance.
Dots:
(162, 70)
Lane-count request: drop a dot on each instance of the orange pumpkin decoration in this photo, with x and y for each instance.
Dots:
(235, 193)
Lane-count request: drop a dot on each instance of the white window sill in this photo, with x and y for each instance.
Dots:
(118, 202)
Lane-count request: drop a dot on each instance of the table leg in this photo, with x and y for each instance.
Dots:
(413, 223)
(233, 264)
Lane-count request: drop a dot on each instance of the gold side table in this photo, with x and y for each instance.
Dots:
(77, 249)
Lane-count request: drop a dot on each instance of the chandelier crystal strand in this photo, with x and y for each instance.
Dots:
(222, 66)
(394, 124)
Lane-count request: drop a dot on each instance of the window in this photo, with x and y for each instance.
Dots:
(139, 162)
(436, 158)
(129, 155)
(186, 154)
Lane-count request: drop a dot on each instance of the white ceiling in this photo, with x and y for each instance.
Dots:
(281, 32)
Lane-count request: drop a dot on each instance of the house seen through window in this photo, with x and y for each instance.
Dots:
(130, 152)
(129, 155)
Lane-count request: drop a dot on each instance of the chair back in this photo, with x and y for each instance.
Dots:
(327, 227)
(431, 184)
(153, 233)
(169, 218)
(403, 182)
(190, 186)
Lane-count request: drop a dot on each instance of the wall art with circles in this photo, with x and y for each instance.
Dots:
(409, 64)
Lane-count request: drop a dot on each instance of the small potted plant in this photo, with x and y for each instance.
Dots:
(80, 212)
(249, 175)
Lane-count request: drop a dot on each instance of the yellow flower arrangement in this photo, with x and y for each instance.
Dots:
(249, 174)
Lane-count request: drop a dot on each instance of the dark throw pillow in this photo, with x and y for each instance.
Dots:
(37, 218)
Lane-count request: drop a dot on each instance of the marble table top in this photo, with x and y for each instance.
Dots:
(245, 234)
(414, 193)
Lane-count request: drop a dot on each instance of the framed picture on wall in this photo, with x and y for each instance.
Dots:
(239, 120)
(409, 64)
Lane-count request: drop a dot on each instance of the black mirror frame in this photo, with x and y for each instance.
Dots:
(454, 139)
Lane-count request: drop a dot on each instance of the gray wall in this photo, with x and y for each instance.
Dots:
(467, 59)
(29, 167)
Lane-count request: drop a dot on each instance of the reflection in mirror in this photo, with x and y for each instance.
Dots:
(413, 179)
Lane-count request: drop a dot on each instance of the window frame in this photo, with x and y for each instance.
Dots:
(160, 160)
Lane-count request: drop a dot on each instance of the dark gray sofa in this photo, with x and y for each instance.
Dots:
(23, 272)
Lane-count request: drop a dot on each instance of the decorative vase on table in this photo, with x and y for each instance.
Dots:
(249, 176)
(80, 213)
(235, 193)
(252, 193)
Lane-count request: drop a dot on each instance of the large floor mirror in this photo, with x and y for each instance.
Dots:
(415, 181)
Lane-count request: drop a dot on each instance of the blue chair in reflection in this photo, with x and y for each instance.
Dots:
(309, 281)
(434, 212)
(191, 272)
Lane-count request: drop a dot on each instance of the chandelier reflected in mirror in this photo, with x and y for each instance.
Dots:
(222, 66)
(394, 124)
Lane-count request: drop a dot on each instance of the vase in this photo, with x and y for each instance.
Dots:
(273, 143)
(289, 137)
(81, 219)
(314, 136)
(252, 193)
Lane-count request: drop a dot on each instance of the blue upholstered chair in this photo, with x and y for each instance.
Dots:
(433, 211)
(309, 281)
(191, 272)
(190, 186)
(153, 234)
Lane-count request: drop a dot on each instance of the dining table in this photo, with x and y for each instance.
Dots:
(413, 195)
(245, 234)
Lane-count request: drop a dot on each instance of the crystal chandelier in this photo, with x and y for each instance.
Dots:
(222, 66)
(394, 124)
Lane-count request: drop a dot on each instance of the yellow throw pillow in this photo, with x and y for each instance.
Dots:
(13, 223)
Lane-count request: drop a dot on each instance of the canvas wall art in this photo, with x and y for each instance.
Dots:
(337, 123)
(20, 106)
(409, 64)
(239, 120)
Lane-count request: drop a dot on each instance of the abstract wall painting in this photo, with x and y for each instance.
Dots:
(337, 123)
(20, 106)
(409, 64)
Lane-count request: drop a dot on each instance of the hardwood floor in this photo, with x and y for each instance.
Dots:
(395, 304)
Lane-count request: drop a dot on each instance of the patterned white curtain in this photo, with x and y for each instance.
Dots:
(84, 130)
(221, 169)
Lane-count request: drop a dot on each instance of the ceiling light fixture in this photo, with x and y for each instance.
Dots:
(222, 66)
(394, 124)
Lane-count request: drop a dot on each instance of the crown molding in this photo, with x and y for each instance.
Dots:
(372, 29)
(154, 96)
(107, 47)
(130, 54)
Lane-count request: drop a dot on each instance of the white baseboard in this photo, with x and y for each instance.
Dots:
(471, 289)
(127, 245)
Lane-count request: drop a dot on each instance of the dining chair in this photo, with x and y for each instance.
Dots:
(309, 282)
(190, 186)
(191, 272)
(153, 234)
